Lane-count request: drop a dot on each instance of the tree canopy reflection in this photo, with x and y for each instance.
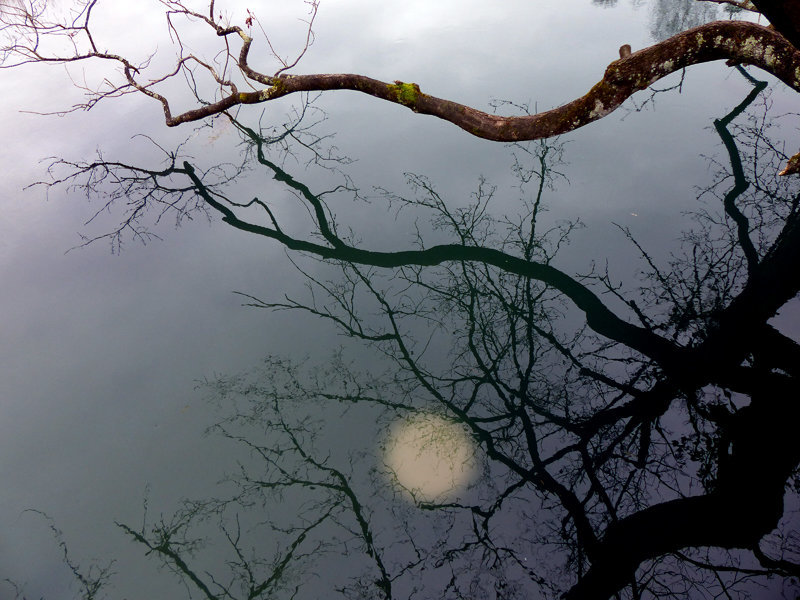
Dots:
(634, 440)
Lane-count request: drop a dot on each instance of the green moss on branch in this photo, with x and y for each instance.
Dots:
(405, 93)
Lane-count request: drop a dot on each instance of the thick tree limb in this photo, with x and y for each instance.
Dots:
(738, 41)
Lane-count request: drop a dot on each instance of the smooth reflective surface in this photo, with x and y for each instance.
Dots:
(113, 366)
(430, 457)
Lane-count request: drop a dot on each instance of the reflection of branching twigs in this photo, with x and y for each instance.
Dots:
(470, 227)
(312, 473)
(650, 100)
(285, 64)
(93, 580)
(151, 194)
(599, 317)
(142, 191)
(288, 462)
(301, 130)
(699, 284)
(168, 542)
(574, 422)
(615, 440)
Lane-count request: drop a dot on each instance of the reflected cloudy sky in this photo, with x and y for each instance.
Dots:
(100, 353)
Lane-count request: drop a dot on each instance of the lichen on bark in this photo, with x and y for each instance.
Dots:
(406, 93)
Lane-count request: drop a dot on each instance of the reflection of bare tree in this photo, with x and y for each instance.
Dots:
(92, 580)
(669, 17)
(645, 453)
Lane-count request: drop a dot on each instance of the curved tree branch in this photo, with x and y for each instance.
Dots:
(598, 316)
(741, 42)
(737, 42)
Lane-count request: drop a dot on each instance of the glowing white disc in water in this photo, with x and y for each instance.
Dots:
(431, 457)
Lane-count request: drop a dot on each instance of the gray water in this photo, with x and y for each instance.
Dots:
(101, 353)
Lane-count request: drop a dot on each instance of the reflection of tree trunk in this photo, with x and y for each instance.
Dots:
(599, 317)
(740, 181)
(773, 283)
(784, 16)
(758, 454)
(720, 338)
(757, 448)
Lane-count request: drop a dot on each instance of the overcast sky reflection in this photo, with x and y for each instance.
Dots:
(101, 354)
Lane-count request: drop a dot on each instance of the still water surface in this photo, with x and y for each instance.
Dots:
(113, 365)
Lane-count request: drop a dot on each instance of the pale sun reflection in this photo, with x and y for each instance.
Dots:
(431, 457)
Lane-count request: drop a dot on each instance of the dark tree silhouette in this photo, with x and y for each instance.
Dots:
(658, 442)
(659, 439)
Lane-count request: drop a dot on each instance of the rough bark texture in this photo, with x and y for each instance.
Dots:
(741, 42)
